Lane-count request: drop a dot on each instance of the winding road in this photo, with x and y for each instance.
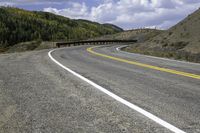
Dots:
(97, 89)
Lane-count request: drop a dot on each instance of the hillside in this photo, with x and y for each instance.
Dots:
(140, 34)
(181, 41)
(17, 25)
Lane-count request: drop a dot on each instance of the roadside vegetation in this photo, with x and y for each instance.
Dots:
(139, 34)
(31, 45)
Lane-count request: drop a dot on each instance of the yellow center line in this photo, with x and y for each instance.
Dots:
(195, 76)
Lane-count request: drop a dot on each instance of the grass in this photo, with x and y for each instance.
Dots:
(179, 42)
(29, 46)
(168, 53)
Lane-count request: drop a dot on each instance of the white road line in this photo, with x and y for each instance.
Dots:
(119, 99)
(149, 56)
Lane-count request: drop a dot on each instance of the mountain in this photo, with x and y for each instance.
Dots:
(181, 41)
(18, 25)
(139, 34)
(112, 26)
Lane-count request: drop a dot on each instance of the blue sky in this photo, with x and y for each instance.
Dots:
(128, 14)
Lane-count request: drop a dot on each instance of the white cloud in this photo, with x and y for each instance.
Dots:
(124, 13)
(30, 2)
(76, 10)
(6, 4)
(132, 13)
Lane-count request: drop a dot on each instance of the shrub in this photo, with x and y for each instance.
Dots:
(170, 33)
(165, 45)
(179, 45)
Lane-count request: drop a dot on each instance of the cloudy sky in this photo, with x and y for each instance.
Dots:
(127, 14)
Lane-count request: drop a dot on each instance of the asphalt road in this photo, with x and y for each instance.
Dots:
(37, 95)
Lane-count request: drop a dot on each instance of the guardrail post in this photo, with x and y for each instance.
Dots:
(58, 45)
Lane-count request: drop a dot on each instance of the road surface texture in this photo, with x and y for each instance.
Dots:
(37, 95)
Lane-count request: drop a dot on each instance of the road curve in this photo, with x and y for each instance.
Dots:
(172, 97)
(40, 96)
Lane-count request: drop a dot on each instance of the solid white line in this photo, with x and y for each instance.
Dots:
(149, 56)
(119, 99)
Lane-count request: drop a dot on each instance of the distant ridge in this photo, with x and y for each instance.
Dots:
(18, 25)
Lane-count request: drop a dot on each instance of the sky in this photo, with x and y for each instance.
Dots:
(128, 14)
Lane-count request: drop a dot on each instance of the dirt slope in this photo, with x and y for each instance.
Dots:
(181, 41)
(140, 34)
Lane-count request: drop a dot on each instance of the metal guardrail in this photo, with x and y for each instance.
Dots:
(93, 42)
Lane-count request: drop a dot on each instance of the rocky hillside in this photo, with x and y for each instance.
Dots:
(140, 34)
(181, 41)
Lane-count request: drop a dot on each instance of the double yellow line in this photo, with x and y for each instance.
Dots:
(195, 76)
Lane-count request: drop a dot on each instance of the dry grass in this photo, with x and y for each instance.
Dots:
(29, 46)
(140, 34)
(182, 41)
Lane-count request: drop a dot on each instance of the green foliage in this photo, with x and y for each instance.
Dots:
(17, 25)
